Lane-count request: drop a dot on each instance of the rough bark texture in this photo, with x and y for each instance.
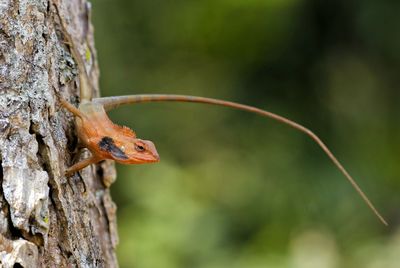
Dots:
(46, 219)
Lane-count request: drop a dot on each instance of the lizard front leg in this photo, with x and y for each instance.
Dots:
(82, 164)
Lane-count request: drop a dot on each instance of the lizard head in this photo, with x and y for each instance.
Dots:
(128, 150)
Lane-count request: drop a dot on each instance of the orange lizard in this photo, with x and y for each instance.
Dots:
(106, 140)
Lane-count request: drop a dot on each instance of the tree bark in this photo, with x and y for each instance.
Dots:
(47, 219)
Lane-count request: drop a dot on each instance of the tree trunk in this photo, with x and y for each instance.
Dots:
(47, 219)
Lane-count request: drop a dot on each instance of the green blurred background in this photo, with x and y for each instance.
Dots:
(236, 190)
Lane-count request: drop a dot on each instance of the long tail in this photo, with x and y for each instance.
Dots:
(110, 103)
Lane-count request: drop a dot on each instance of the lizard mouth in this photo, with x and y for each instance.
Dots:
(143, 159)
(153, 158)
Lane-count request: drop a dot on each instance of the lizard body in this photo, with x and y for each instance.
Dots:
(106, 140)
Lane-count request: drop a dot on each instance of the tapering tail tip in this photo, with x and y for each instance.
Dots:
(383, 220)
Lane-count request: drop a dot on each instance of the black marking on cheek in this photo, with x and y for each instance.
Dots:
(107, 144)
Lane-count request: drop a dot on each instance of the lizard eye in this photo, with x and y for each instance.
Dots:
(139, 148)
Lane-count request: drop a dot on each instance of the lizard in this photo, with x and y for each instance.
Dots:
(106, 140)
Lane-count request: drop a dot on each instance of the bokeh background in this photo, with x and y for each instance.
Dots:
(237, 190)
